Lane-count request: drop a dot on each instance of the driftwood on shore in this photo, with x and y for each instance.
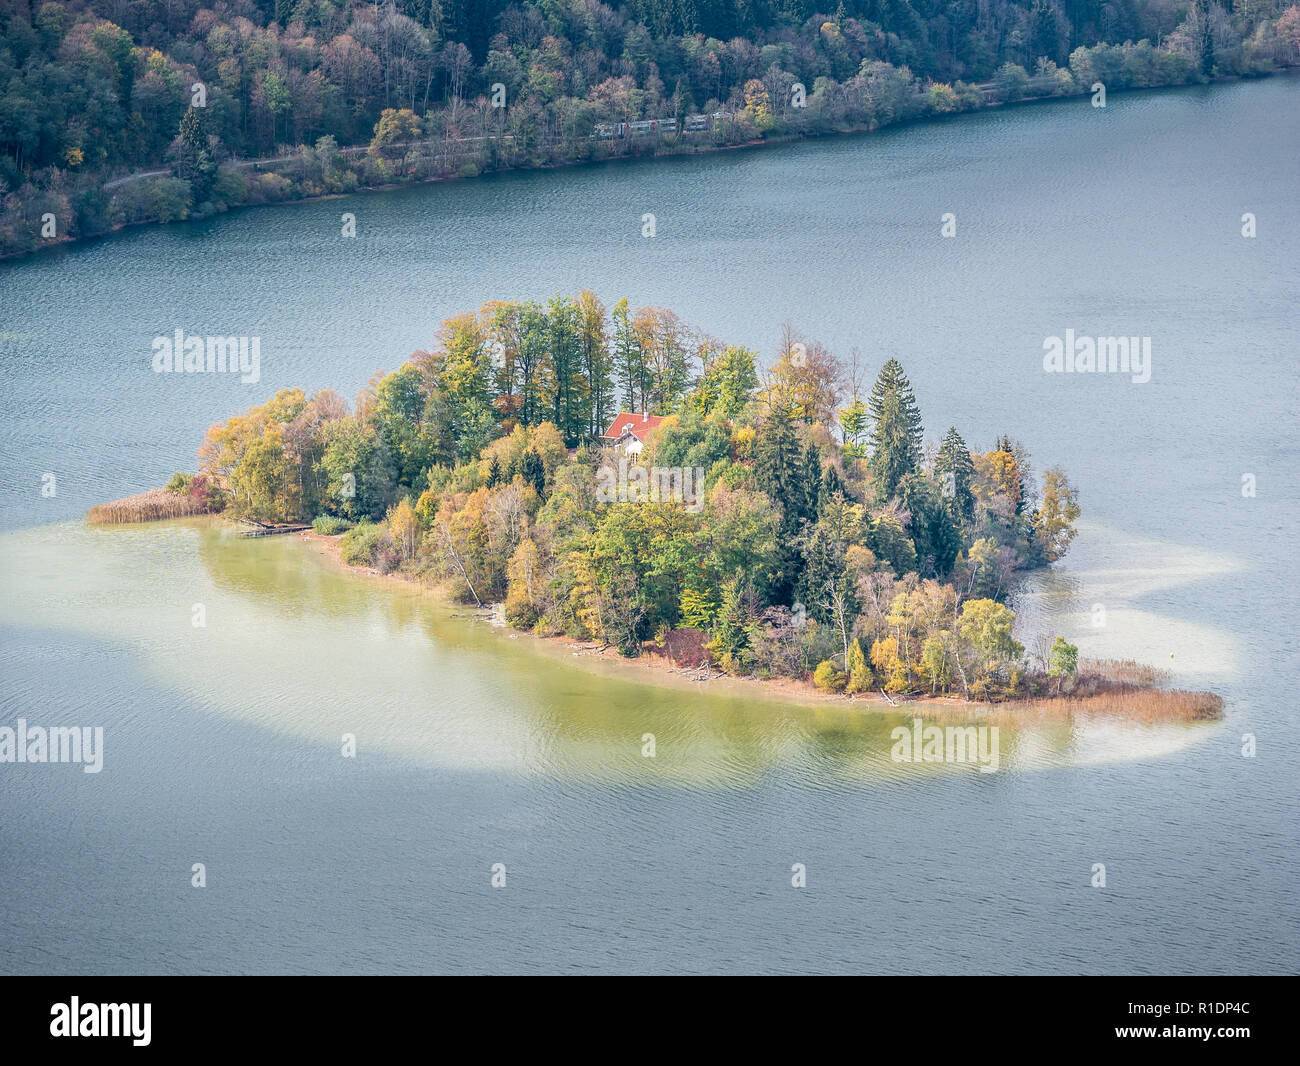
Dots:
(261, 529)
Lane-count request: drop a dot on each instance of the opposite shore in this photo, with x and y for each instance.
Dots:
(464, 160)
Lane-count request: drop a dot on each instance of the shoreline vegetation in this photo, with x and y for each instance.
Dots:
(180, 111)
(617, 482)
(1115, 688)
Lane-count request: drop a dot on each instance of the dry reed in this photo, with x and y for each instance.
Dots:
(151, 506)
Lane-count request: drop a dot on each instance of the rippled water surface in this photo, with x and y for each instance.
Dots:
(476, 747)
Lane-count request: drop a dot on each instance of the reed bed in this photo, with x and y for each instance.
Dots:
(1136, 703)
(151, 506)
(1123, 671)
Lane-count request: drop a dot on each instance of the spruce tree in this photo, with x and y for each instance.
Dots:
(533, 471)
(831, 484)
(777, 463)
(812, 483)
(896, 430)
(955, 472)
(777, 469)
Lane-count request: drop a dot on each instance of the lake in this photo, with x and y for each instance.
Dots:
(476, 747)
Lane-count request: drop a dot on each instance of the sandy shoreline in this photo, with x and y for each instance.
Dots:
(657, 669)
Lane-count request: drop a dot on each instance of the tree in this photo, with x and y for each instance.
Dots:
(955, 471)
(728, 381)
(261, 483)
(404, 528)
(829, 678)
(396, 128)
(805, 379)
(661, 340)
(409, 425)
(1053, 522)
(1063, 660)
(742, 537)
(190, 158)
(896, 429)
(937, 542)
(639, 558)
(358, 470)
(630, 370)
(597, 362)
(810, 479)
(853, 426)
(698, 608)
(778, 465)
(985, 626)
(860, 678)
(567, 391)
(889, 667)
(889, 542)
(731, 631)
(533, 471)
(526, 583)
(934, 662)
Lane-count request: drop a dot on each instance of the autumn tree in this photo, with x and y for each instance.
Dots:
(1053, 522)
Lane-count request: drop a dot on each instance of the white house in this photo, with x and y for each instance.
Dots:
(630, 430)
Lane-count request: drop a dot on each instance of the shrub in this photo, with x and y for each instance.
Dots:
(179, 484)
(386, 554)
(359, 544)
(687, 647)
(519, 610)
(829, 678)
(207, 494)
(328, 525)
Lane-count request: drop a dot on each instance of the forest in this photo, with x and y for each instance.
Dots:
(115, 112)
(820, 535)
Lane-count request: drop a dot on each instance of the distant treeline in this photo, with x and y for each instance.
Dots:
(341, 95)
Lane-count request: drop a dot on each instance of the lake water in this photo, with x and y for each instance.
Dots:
(476, 747)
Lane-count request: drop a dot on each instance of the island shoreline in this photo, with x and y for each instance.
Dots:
(658, 669)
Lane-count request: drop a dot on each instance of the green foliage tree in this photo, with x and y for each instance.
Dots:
(896, 429)
(955, 472)
(358, 469)
(1063, 659)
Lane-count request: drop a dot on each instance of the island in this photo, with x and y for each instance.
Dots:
(613, 477)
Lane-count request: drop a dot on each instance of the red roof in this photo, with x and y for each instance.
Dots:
(639, 425)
